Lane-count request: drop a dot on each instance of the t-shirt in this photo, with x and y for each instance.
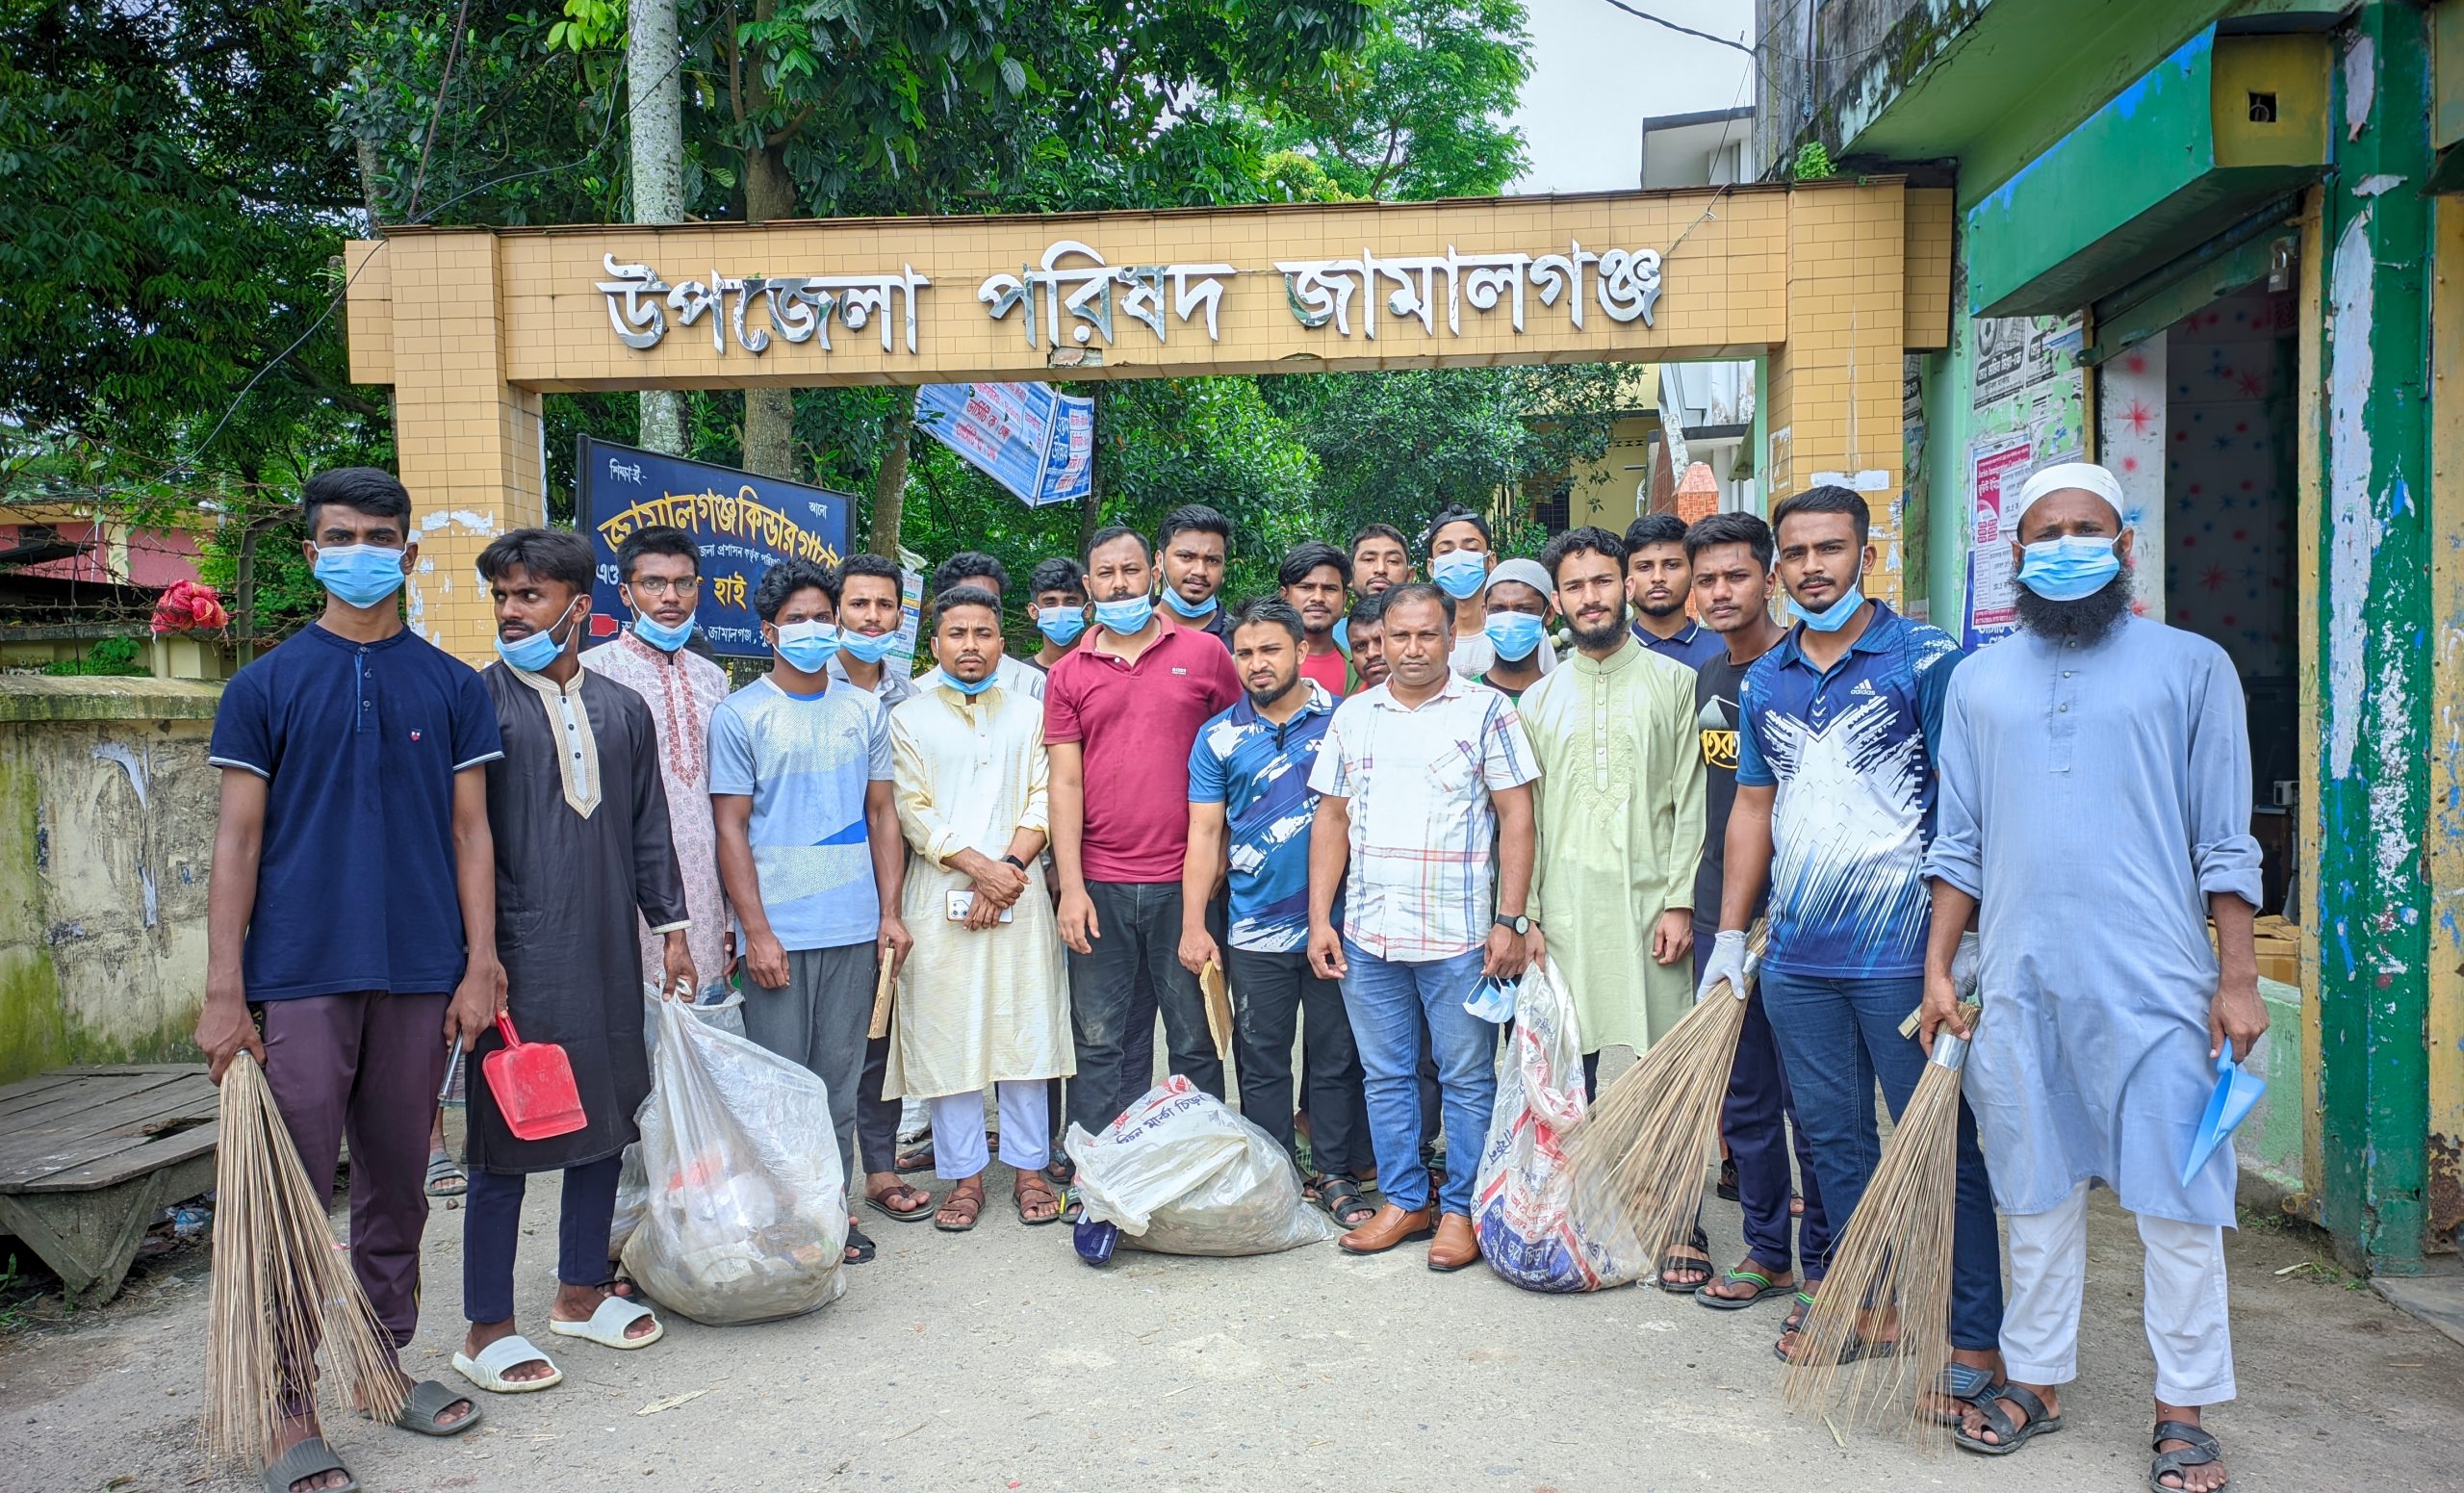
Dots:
(1852, 753)
(1329, 671)
(1692, 645)
(1715, 691)
(806, 761)
(1259, 772)
(358, 744)
(1135, 726)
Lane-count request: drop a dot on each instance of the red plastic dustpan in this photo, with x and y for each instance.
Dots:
(533, 1083)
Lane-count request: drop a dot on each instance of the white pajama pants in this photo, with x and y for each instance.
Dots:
(958, 1129)
(2186, 1327)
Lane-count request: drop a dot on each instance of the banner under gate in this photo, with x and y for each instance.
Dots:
(1028, 437)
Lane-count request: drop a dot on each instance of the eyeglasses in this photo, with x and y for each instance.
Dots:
(661, 585)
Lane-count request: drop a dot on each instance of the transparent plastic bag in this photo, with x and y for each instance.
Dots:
(743, 1215)
(1521, 1203)
(1182, 1175)
(718, 1006)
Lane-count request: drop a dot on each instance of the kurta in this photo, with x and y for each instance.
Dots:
(580, 819)
(681, 688)
(974, 1008)
(1620, 800)
(2092, 799)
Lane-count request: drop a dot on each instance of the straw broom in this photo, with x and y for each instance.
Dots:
(281, 1289)
(1648, 1144)
(1893, 1259)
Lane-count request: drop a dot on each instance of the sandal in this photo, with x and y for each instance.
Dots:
(1857, 1351)
(607, 1325)
(308, 1459)
(1726, 1187)
(1072, 1206)
(446, 1177)
(1963, 1384)
(965, 1204)
(881, 1202)
(428, 1399)
(488, 1369)
(1340, 1196)
(859, 1245)
(1742, 1274)
(916, 1158)
(1034, 1192)
(2011, 1434)
(1699, 1261)
(2202, 1449)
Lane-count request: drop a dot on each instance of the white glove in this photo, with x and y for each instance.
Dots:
(1727, 962)
(1965, 966)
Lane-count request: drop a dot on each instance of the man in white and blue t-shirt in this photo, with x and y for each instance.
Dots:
(813, 863)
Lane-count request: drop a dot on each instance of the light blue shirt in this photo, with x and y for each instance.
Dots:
(806, 761)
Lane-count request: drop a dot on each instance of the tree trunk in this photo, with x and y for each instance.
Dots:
(656, 113)
(769, 193)
(1090, 508)
(889, 484)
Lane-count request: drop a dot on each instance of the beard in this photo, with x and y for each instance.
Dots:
(1599, 637)
(2087, 620)
(1260, 699)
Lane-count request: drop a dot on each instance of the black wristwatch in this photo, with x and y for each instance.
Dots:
(1010, 860)
(1520, 924)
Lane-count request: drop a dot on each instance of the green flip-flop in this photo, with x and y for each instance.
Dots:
(1763, 1288)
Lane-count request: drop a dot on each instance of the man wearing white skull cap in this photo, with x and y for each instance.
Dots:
(2095, 814)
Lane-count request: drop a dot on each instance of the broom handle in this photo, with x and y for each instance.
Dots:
(1949, 1051)
(450, 1059)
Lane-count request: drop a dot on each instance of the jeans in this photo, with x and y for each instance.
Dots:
(1140, 928)
(1271, 995)
(492, 1228)
(1837, 1037)
(1758, 1122)
(1388, 1000)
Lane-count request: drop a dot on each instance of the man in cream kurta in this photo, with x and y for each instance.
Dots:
(1621, 808)
(983, 1001)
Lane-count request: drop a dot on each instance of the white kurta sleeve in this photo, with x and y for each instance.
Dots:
(1956, 854)
(2223, 848)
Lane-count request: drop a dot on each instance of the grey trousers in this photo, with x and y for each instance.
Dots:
(819, 1019)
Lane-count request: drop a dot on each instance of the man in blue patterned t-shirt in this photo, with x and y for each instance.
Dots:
(1837, 734)
(1250, 775)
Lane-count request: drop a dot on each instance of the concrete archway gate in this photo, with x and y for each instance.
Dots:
(1831, 281)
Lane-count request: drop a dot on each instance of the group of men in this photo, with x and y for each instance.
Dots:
(1360, 799)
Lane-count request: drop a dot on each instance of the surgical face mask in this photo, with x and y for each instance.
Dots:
(1833, 617)
(666, 639)
(2071, 567)
(1062, 625)
(360, 575)
(1342, 635)
(974, 689)
(1127, 615)
(537, 650)
(865, 647)
(1173, 598)
(807, 645)
(1514, 634)
(1460, 573)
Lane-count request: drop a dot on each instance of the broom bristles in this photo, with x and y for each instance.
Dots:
(1646, 1149)
(281, 1290)
(1892, 1263)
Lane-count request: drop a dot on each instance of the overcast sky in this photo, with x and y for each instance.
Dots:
(1596, 73)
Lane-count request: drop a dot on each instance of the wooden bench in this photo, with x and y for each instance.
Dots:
(89, 1155)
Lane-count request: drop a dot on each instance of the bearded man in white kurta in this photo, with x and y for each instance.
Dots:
(983, 1001)
(2095, 812)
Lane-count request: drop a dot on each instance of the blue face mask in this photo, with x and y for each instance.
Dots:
(865, 647)
(807, 645)
(1342, 637)
(360, 575)
(2069, 568)
(666, 639)
(1062, 625)
(1514, 634)
(1460, 573)
(1833, 617)
(1173, 598)
(974, 689)
(534, 653)
(1127, 615)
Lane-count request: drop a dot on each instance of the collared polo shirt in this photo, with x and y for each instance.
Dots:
(807, 762)
(358, 744)
(1134, 725)
(1421, 885)
(1692, 645)
(894, 690)
(1259, 772)
(1852, 751)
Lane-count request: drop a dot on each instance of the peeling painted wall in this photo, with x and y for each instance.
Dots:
(107, 812)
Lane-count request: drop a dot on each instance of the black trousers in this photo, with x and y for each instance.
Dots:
(1275, 997)
(1140, 927)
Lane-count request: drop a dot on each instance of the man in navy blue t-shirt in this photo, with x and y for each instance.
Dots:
(352, 870)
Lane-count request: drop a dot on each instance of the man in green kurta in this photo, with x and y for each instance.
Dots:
(1621, 809)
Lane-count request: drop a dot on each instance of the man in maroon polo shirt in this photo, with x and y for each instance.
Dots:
(1120, 714)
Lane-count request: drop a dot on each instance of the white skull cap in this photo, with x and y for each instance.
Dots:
(1529, 572)
(2085, 475)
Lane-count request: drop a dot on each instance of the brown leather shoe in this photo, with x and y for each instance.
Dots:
(1454, 1246)
(1391, 1226)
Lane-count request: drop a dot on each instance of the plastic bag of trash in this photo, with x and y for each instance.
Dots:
(1521, 1204)
(719, 1007)
(1182, 1175)
(744, 1199)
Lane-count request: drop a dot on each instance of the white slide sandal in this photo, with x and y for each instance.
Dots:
(488, 1369)
(607, 1325)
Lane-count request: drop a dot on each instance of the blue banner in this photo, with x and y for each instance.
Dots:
(1039, 444)
(745, 524)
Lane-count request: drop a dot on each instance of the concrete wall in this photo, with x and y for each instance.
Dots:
(107, 812)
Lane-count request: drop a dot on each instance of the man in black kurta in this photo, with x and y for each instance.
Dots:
(580, 814)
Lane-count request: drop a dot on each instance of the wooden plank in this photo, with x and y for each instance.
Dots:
(80, 1095)
(55, 1087)
(26, 1157)
(103, 1111)
(25, 1089)
(149, 1153)
(29, 1169)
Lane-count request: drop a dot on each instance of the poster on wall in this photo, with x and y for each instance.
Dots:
(1029, 437)
(1994, 473)
(745, 524)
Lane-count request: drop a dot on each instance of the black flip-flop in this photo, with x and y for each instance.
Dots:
(858, 1242)
(2202, 1449)
(2014, 1434)
(428, 1399)
(922, 1210)
(1763, 1288)
(309, 1458)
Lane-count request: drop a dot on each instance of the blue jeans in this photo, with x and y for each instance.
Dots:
(1387, 1001)
(1837, 1037)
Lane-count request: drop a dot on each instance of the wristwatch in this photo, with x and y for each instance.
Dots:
(1010, 860)
(1518, 923)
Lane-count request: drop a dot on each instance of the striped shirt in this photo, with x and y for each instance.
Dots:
(1422, 883)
